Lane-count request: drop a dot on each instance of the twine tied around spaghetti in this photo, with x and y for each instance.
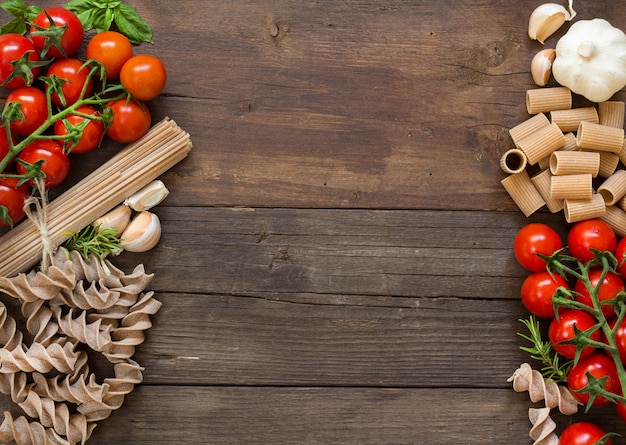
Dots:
(40, 219)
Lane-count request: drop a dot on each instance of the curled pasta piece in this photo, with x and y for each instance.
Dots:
(130, 333)
(14, 356)
(542, 431)
(39, 321)
(15, 385)
(527, 379)
(57, 416)
(93, 334)
(60, 356)
(127, 375)
(23, 432)
(36, 285)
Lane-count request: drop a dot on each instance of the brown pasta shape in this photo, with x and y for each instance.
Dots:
(94, 335)
(542, 431)
(57, 416)
(127, 375)
(130, 333)
(527, 379)
(23, 432)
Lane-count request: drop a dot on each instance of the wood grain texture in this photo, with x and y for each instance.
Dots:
(336, 264)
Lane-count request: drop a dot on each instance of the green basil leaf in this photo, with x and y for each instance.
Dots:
(31, 13)
(17, 8)
(80, 6)
(131, 25)
(102, 19)
(15, 26)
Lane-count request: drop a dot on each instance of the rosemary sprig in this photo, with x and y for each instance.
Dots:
(553, 367)
(93, 241)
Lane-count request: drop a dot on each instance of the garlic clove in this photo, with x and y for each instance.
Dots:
(546, 19)
(117, 219)
(148, 197)
(142, 233)
(541, 66)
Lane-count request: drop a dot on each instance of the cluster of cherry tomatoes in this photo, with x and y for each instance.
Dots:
(59, 104)
(596, 289)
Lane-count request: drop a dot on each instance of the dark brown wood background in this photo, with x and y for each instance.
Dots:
(336, 263)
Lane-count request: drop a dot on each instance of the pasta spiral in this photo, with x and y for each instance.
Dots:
(130, 333)
(75, 302)
(23, 432)
(57, 416)
(542, 431)
(527, 379)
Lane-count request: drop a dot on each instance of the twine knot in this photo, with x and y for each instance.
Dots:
(40, 219)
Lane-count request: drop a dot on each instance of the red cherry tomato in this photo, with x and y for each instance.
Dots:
(12, 48)
(532, 239)
(562, 329)
(112, 50)
(131, 120)
(590, 234)
(599, 366)
(34, 108)
(12, 197)
(143, 76)
(92, 133)
(56, 163)
(537, 291)
(76, 78)
(610, 286)
(68, 42)
(582, 433)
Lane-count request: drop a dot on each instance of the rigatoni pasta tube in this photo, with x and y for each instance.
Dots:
(600, 137)
(528, 127)
(523, 192)
(569, 120)
(614, 188)
(542, 143)
(513, 161)
(574, 162)
(608, 164)
(615, 217)
(581, 209)
(542, 182)
(571, 187)
(544, 100)
(611, 113)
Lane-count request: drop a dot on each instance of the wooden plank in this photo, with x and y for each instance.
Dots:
(333, 341)
(357, 252)
(359, 416)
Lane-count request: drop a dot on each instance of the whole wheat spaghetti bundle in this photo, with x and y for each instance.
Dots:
(128, 171)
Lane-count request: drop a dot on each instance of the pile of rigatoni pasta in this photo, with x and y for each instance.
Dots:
(579, 154)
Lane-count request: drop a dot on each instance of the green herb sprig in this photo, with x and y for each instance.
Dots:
(93, 241)
(553, 367)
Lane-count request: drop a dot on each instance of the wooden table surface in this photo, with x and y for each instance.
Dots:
(336, 263)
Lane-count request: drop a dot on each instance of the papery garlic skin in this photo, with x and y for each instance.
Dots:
(116, 219)
(591, 59)
(148, 197)
(142, 233)
(541, 66)
(546, 19)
